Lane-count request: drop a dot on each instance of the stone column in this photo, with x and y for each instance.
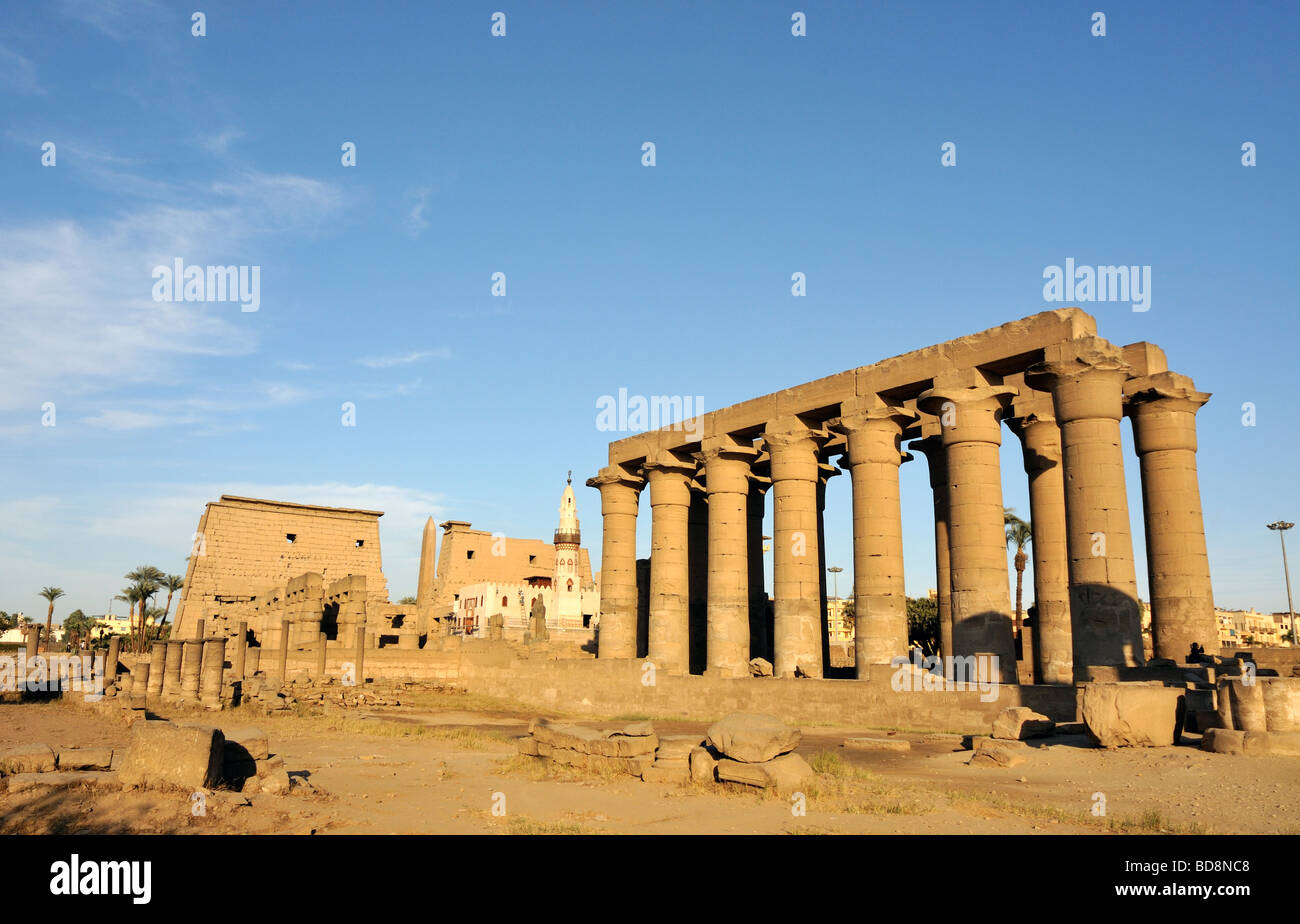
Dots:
(213, 670)
(1086, 378)
(1163, 410)
(1040, 440)
(284, 650)
(759, 643)
(874, 432)
(697, 535)
(619, 494)
(970, 412)
(825, 472)
(361, 655)
(320, 658)
(171, 688)
(670, 502)
(191, 666)
(726, 472)
(111, 660)
(796, 584)
(932, 446)
(239, 655)
(157, 665)
(32, 639)
(140, 675)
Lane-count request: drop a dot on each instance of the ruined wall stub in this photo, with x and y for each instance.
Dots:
(241, 548)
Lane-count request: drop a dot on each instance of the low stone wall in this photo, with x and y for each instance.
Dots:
(1278, 659)
(615, 687)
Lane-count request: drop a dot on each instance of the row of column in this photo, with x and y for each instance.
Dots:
(1084, 579)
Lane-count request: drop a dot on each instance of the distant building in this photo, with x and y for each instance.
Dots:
(1246, 628)
(244, 547)
(111, 624)
(482, 574)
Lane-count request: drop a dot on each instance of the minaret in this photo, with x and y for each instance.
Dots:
(428, 565)
(568, 576)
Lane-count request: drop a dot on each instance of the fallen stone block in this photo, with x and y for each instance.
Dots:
(760, 667)
(788, 773)
(85, 758)
(671, 771)
(27, 758)
(527, 746)
(998, 752)
(1120, 715)
(274, 783)
(877, 744)
(703, 765)
(20, 781)
(735, 771)
(638, 729)
(752, 737)
(1281, 703)
(246, 743)
(1021, 722)
(573, 737)
(176, 755)
(1235, 741)
(677, 747)
(1241, 704)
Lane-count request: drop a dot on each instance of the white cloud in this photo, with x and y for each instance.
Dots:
(220, 142)
(415, 220)
(18, 73)
(402, 359)
(77, 315)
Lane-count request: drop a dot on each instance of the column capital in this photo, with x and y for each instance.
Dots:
(670, 479)
(1163, 410)
(615, 475)
(1085, 376)
(969, 408)
(793, 449)
(727, 464)
(873, 430)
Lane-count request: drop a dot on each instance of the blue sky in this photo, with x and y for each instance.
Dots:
(522, 155)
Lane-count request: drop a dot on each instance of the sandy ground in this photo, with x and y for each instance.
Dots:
(449, 766)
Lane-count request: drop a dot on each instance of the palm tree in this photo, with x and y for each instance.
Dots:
(51, 594)
(173, 583)
(130, 594)
(1019, 535)
(148, 581)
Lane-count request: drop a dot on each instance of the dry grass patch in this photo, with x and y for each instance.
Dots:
(842, 789)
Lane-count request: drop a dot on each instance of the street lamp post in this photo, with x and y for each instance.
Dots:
(1280, 527)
